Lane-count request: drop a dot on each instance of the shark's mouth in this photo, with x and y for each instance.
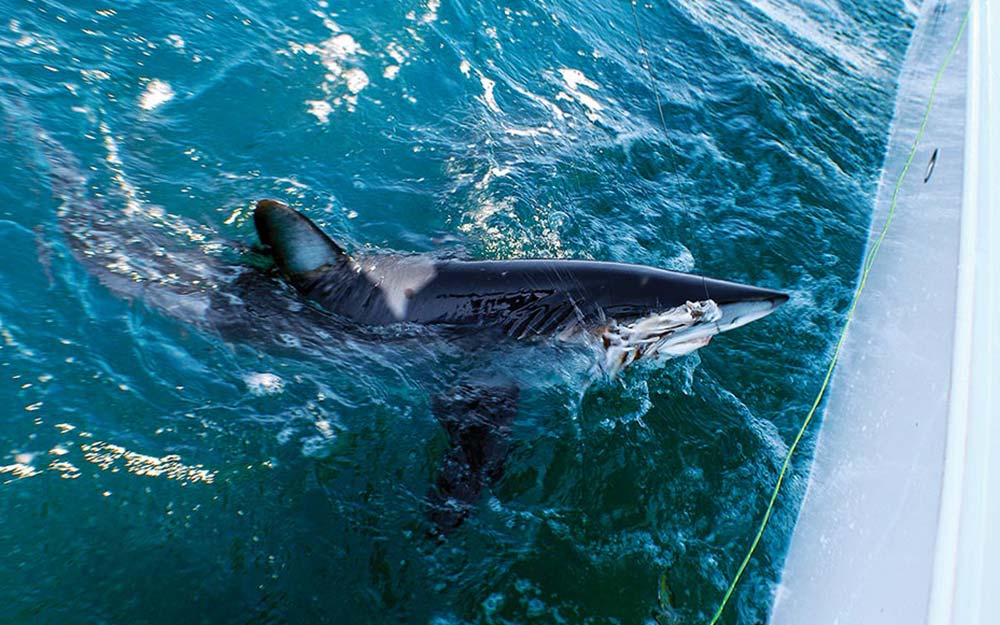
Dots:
(662, 336)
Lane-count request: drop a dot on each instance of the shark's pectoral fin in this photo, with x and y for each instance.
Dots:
(298, 246)
(477, 419)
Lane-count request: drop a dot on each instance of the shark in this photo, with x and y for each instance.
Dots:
(297, 281)
(633, 311)
(629, 312)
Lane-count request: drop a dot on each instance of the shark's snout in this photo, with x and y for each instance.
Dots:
(740, 303)
(723, 292)
(739, 313)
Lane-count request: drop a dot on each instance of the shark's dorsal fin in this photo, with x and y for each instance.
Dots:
(298, 246)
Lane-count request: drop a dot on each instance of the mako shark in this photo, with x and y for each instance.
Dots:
(629, 312)
(633, 311)
(625, 312)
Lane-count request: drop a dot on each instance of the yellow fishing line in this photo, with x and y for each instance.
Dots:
(865, 271)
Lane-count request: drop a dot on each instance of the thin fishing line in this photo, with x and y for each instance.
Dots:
(866, 270)
(649, 68)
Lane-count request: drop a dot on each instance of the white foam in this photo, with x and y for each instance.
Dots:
(320, 109)
(488, 97)
(156, 94)
(552, 106)
(344, 79)
(356, 79)
(432, 12)
(493, 172)
(264, 383)
(397, 52)
(339, 47)
(575, 79)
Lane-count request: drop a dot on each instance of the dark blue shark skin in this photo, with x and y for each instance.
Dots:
(523, 297)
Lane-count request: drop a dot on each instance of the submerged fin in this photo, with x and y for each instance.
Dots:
(477, 420)
(298, 246)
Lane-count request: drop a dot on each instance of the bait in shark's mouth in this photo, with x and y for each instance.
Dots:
(672, 333)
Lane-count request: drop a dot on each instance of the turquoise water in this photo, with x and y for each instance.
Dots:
(161, 471)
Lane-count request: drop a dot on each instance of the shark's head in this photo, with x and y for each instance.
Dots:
(696, 310)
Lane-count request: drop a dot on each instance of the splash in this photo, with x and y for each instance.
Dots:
(488, 96)
(261, 384)
(344, 79)
(575, 79)
(157, 94)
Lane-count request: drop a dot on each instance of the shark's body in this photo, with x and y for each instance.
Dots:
(634, 310)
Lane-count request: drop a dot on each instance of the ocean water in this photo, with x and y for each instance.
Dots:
(155, 470)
